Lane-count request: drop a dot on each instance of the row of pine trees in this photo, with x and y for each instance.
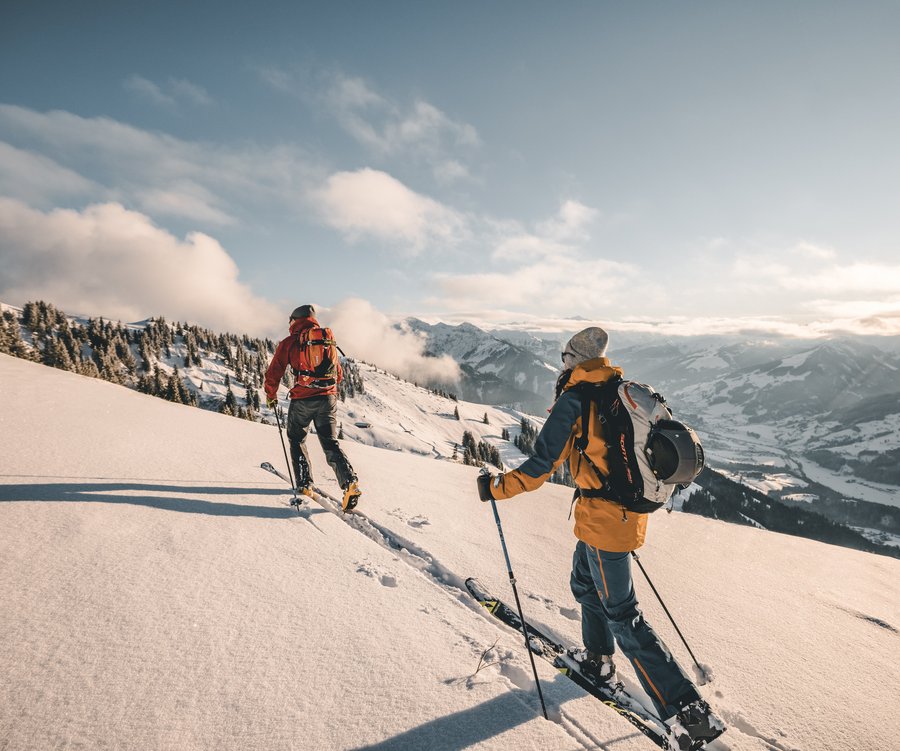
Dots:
(145, 357)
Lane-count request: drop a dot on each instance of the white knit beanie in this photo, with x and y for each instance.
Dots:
(585, 345)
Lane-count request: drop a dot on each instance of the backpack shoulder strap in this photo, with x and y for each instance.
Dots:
(602, 394)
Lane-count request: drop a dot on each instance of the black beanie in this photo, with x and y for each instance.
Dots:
(304, 311)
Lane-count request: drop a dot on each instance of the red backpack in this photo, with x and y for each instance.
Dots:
(317, 361)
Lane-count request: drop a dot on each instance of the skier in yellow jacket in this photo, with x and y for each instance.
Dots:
(607, 534)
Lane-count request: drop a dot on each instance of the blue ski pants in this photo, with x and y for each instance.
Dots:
(601, 582)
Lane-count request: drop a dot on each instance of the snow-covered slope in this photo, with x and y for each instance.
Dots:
(159, 594)
(401, 416)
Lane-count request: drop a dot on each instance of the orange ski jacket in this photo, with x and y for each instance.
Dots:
(287, 353)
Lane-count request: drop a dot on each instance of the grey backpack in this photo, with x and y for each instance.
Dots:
(649, 454)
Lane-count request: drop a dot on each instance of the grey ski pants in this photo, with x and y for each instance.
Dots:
(601, 582)
(320, 411)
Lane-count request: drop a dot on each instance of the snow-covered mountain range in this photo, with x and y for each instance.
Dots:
(159, 593)
(495, 370)
(811, 421)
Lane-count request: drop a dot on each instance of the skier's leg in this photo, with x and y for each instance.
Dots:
(326, 428)
(595, 633)
(299, 417)
(664, 681)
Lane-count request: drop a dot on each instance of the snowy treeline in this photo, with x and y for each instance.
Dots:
(227, 370)
(525, 443)
(721, 498)
(476, 453)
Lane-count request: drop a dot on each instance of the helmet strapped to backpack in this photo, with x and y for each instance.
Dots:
(674, 452)
(648, 453)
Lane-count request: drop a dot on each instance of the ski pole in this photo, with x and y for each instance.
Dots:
(512, 581)
(284, 448)
(684, 641)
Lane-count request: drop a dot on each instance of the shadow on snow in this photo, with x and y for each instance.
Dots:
(492, 718)
(112, 492)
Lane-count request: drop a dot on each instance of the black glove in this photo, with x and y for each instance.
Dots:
(270, 403)
(484, 486)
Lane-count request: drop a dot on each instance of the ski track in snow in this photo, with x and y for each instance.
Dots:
(454, 586)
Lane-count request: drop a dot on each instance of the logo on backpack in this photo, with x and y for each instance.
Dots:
(649, 454)
(317, 358)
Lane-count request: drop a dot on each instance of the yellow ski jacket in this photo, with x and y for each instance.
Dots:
(598, 522)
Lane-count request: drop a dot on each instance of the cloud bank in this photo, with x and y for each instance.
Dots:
(366, 334)
(156, 173)
(106, 260)
(169, 93)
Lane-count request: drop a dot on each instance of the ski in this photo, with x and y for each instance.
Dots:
(314, 490)
(325, 500)
(298, 501)
(613, 696)
(278, 473)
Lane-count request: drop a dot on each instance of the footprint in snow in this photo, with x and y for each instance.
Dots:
(416, 521)
(571, 613)
(386, 580)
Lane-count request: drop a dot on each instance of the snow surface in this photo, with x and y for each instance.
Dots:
(158, 593)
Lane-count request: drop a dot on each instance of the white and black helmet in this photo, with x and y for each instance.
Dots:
(674, 452)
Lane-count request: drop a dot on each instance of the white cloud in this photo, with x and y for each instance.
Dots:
(548, 268)
(371, 202)
(567, 283)
(450, 171)
(561, 235)
(190, 92)
(106, 260)
(570, 224)
(187, 200)
(169, 93)
(157, 173)
(387, 128)
(37, 179)
(367, 334)
(148, 90)
(804, 269)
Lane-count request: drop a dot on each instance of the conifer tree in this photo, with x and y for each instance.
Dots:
(56, 356)
(174, 388)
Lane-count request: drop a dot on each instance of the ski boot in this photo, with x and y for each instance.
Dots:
(351, 496)
(600, 669)
(694, 726)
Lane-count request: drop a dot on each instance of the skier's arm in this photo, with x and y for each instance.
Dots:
(552, 448)
(276, 368)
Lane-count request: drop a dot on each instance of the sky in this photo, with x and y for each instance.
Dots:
(686, 166)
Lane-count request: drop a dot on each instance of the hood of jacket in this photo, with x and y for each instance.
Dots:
(597, 370)
(301, 324)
